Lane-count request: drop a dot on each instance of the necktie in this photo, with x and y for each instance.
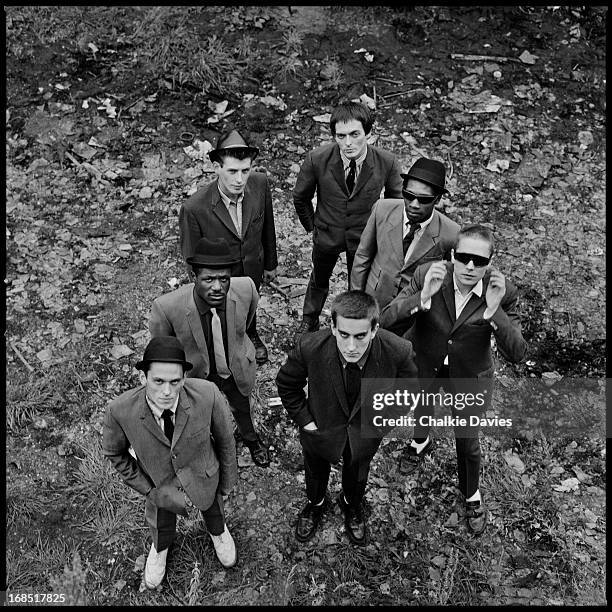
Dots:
(168, 426)
(222, 369)
(409, 237)
(353, 383)
(233, 211)
(350, 177)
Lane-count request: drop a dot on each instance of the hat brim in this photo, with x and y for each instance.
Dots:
(196, 260)
(187, 365)
(214, 154)
(425, 179)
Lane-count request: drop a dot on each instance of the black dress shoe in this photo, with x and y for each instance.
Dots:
(476, 515)
(259, 452)
(309, 519)
(261, 352)
(410, 460)
(354, 521)
(306, 325)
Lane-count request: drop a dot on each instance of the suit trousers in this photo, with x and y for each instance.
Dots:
(323, 263)
(467, 447)
(162, 522)
(239, 405)
(354, 476)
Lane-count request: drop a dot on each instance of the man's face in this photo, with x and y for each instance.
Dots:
(468, 275)
(233, 175)
(351, 138)
(212, 284)
(353, 337)
(416, 212)
(163, 382)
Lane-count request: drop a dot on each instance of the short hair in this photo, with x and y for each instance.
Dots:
(146, 366)
(347, 111)
(355, 304)
(237, 153)
(475, 230)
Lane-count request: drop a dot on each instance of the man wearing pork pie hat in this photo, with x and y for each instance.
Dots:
(236, 206)
(171, 440)
(403, 233)
(209, 317)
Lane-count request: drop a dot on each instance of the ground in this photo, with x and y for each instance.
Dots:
(108, 111)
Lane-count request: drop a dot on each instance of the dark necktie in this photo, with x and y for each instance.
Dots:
(350, 177)
(168, 425)
(409, 237)
(353, 383)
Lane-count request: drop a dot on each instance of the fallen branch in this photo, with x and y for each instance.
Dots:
(401, 93)
(483, 58)
(27, 365)
(388, 80)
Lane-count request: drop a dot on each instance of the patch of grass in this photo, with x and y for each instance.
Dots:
(25, 396)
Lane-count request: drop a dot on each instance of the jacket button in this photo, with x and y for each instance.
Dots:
(450, 341)
(173, 456)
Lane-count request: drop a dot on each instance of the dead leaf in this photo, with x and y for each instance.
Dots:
(323, 118)
(120, 350)
(569, 484)
(514, 461)
(528, 58)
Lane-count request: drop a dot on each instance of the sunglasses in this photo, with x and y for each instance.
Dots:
(479, 260)
(423, 199)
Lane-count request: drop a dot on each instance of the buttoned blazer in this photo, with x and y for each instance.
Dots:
(203, 451)
(204, 214)
(176, 314)
(340, 217)
(315, 361)
(379, 267)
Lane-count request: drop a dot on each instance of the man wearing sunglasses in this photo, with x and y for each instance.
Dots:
(402, 234)
(456, 307)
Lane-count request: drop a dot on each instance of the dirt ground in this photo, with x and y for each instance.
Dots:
(104, 128)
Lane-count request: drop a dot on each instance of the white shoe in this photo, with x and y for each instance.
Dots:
(225, 548)
(155, 569)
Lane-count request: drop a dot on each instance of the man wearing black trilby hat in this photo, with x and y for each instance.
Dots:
(171, 440)
(402, 234)
(211, 318)
(236, 206)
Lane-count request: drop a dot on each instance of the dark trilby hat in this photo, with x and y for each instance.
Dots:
(166, 349)
(429, 171)
(229, 141)
(212, 254)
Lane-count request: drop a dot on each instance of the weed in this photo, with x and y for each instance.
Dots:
(194, 585)
(24, 398)
(72, 583)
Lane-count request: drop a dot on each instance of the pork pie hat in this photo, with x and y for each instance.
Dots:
(164, 348)
(212, 254)
(229, 141)
(429, 171)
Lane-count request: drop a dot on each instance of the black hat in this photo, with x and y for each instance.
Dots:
(229, 141)
(429, 171)
(164, 348)
(212, 254)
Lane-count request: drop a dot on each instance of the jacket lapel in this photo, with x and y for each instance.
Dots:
(335, 374)
(248, 206)
(219, 209)
(396, 234)
(337, 169)
(181, 418)
(149, 422)
(473, 304)
(426, 242)
(193, 320)
(365, 173)
(371, 369)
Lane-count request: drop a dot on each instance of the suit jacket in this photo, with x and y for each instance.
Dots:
(205, 214)
(379, 268)
(315, 359)
(176, 314)
(466, 340)
(340, 217)
(202, 457)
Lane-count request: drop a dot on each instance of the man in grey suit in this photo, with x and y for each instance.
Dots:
(402, 234)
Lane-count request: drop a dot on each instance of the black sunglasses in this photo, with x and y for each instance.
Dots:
(423, 199)
(479, 260)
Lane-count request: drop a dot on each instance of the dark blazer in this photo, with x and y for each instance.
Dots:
(202, 466)
(205, 214)
(379, 268)
(315, 360)
(176, 314)
(467, 340)
(340, 217)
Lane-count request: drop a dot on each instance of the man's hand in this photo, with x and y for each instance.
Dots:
(496, 289)
(310, 426)
(433, 280)
(169, 498)
(269, 275)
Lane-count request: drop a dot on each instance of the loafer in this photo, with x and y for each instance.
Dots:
(261, 352)
(309, 519)
(410, 460)
(225, 548)
(155, 568)
(259, 452)
(354, 521)
(306, 325)
(476, 515)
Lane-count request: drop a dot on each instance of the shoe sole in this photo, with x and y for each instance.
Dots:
(351, 538)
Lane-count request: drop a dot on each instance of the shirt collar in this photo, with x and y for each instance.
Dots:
(202, 306)
(361, 361)
(476, 289)
(157, 413)
(423, 224)
(227, 200)
(346, 161)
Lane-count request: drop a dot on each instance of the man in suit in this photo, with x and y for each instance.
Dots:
(333, 362)
(171, 440)
(402, 234)
(211, 317)
(348, 176)
(236, 206)
(456, 307)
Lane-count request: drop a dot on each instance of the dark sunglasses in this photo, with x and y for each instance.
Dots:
(423, 199)
(479, 261)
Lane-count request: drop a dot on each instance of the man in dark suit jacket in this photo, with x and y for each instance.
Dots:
(191, 314)
(237, 206)
(172, 441)
(333, 362)
(348, 176)
(456, 307)
(402, 234)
